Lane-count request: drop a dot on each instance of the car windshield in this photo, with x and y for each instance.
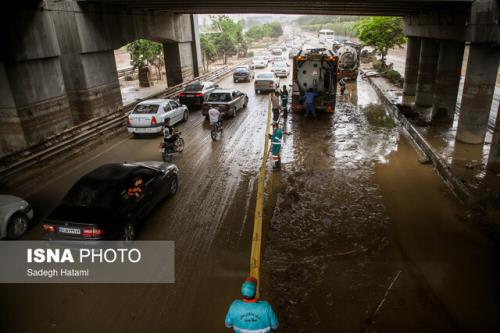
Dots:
(279, 64)
(146, 108)
(265, 76)
(194, 87)
(219, 97)
(258, 58)
(241, 69)
(92, 194)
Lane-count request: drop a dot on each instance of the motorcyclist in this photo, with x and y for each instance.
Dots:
(170, 135)
(214, 117)
(251, 314)
(284, 100)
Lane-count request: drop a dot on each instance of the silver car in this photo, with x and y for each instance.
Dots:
(149, 116)
(15, 215)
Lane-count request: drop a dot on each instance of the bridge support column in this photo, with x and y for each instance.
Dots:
(447, 81)
(411, 66)
(494, 156)
(429, 52)
(178, 62)
(479, 85)
(92, 83)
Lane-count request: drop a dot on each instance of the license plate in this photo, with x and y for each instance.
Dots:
(73, 231)
(189, 95)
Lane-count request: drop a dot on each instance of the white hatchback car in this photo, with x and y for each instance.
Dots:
(149, 116)
(280, 69)
(259, 62)
(15, 215)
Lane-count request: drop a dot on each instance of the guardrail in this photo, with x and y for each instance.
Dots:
(78, 135)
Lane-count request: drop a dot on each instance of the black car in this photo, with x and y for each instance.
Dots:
(110, 203)
(227, 101)
(196, 93)
(243, 73)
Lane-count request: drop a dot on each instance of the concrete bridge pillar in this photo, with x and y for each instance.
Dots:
(411, 66)
(447, 81)
(429, 52)
(494, 156)
(479, 85)
(34, 101)
(179, 62)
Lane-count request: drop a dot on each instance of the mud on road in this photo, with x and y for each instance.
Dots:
(331, 255)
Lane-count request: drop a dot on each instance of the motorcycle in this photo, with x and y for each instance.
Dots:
(168, 150)
(216, 130)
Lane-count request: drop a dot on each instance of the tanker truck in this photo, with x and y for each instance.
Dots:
(315, 69)
(348, 54)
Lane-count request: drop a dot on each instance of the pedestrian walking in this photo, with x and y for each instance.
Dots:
(249, 314)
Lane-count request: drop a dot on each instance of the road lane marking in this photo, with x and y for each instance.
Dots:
(255, 253)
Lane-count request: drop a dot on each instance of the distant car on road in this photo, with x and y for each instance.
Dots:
(196, 93)
(279, 58)
(227, 101)
(149, 116)
(276, 51)
(280, 69)
(259, 62)
(243, 73)
(265, 82)
(105, 203)
(15, 215)
(293, 52)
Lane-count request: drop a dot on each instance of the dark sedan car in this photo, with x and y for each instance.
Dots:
(243, 73)
(111, 201)
(196, 93)
(227, 101)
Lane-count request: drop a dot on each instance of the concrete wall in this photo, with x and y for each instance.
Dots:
(58, 69)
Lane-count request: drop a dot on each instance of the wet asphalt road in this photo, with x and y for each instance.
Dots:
(358, 235)
(210, 219)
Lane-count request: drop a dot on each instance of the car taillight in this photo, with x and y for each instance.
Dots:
(128, 121)
(49, 228)
(153, 120)
(199, 95)
(92, 232)
(182, 94)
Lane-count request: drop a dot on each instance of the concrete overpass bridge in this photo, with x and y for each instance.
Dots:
(57, 68)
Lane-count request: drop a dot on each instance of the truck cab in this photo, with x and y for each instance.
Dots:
(315, 69)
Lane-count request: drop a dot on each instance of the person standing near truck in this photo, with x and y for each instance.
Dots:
(275, 103)
(309, 97)
(284, 100)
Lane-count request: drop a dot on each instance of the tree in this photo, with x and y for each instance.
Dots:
(145, 52)
(383, 33)
(230, 37)
(208, 49)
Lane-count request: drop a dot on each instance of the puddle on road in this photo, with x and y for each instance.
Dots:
(331, 252)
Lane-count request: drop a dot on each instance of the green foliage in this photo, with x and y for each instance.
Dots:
(143, 52)
(383, 33)
(389, 73)
(342, 25)
(272, 30)
(128, 78)
(230, 39)
(208, 49)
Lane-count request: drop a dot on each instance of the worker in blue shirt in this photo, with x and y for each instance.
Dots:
(249, 314)
(309, 102)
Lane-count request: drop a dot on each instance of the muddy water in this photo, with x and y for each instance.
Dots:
(349, 249)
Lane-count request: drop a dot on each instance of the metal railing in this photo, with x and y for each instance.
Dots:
(76, 136)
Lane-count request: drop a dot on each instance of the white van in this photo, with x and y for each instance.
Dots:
(325, 34)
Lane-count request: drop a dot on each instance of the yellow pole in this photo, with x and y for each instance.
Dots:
(257, 222)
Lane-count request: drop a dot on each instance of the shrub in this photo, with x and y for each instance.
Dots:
(129, 78)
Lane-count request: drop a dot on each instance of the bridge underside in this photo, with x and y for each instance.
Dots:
(331, 7)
